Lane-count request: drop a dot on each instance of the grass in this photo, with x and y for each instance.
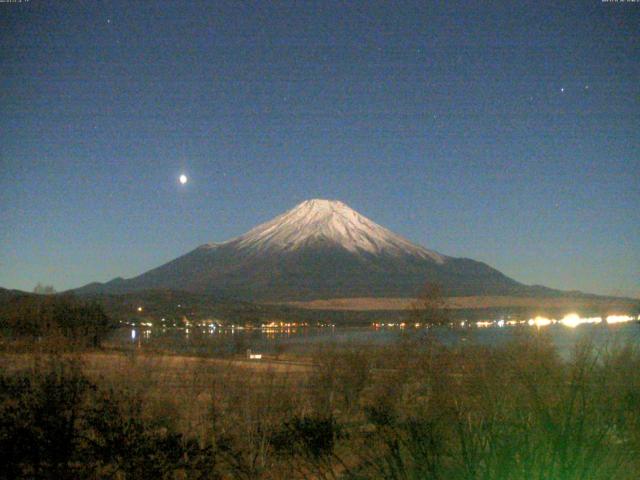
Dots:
(412, 410)
(567, 303)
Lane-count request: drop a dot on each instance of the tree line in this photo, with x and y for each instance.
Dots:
(62, 315)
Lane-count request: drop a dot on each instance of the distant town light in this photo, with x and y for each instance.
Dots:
(618, 319)
(540, 321)
(572, 320)
(139, 309)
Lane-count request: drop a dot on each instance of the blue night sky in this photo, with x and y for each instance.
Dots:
(507, 132)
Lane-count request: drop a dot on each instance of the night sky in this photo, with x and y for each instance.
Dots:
(507, 132)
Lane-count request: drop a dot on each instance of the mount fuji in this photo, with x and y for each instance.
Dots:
(320, 249)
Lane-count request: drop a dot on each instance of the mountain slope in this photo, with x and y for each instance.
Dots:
(319, 249)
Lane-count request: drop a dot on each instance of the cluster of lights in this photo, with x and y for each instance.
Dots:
(571, 320)
(393, 325)
(540, 321)
(283, 325)
(501, 323)
(611, 319)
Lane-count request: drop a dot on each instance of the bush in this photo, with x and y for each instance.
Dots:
(38, 421)
(56, 424)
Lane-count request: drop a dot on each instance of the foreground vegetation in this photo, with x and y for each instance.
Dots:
(408, 411)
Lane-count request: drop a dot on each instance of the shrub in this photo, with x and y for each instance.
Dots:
(56, 424)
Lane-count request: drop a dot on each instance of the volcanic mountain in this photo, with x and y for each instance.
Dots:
(319, 249)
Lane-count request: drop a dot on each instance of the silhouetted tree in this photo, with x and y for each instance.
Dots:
(430, 307)
(44, 289)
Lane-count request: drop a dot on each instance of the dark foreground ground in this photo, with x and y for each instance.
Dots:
(402, 411)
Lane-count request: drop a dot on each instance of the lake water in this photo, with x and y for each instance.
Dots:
(217, 341)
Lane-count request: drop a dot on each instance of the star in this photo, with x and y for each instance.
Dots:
(562, 90)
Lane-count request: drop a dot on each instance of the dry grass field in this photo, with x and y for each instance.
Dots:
(471, 302)
(411, 410)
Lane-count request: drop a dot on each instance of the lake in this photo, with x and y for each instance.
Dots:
(236, 340)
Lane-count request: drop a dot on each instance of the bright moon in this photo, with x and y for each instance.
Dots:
(183, 179)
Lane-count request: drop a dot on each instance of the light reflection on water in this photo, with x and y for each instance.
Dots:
(564, 333)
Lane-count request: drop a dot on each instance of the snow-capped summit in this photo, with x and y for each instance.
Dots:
(332, 222)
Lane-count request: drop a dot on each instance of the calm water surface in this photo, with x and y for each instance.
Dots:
(305, 340)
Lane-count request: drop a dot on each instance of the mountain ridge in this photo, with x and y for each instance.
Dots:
(318, 249)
